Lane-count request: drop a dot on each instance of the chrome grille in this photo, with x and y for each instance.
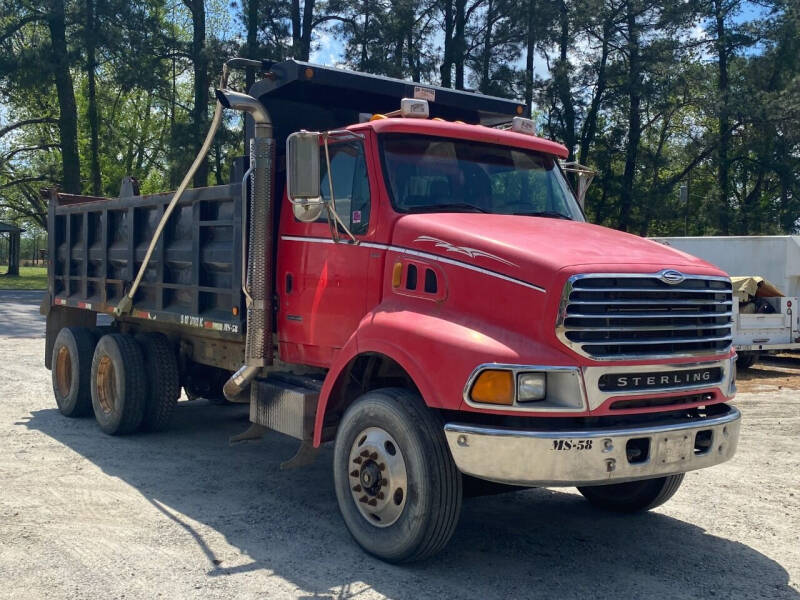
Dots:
(629, 316)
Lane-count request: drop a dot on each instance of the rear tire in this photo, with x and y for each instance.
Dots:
(72, 371)
(119, 384)
(164, 388)
(745, 360)
(390, 443)
(203, 381)
(633, 496)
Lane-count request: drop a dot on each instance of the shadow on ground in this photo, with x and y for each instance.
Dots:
(523, 544)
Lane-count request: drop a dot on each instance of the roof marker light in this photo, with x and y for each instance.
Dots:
(523, 125)
(414, 108)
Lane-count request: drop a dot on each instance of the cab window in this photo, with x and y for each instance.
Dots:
(350, 184)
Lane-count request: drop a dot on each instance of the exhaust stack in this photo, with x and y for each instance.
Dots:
(258, 283)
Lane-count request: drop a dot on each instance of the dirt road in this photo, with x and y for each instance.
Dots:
(182, 514)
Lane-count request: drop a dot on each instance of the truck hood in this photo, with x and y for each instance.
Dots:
(535, 249)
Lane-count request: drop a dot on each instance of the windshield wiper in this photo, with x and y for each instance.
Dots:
(449, 207)
(552, 214)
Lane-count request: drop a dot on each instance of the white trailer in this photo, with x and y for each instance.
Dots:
(772, 323)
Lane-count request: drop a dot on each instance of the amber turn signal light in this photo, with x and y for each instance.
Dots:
(397, 275)
(494, 387)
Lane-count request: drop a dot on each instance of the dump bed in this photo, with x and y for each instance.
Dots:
(302, 95)
(96, 246)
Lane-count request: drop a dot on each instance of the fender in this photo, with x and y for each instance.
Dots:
(423, 342)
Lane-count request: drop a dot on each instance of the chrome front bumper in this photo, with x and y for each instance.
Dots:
(592, 456)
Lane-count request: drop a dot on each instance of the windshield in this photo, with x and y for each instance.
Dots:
(433, 174)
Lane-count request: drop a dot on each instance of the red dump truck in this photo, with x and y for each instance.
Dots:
(402, 270)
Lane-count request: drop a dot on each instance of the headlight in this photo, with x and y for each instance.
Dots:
(531, 386)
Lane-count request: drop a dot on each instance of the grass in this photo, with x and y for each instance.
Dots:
(30, 278)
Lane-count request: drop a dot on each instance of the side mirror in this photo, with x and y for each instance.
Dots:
(302, 167)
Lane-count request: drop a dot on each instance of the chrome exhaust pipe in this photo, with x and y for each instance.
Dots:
(239, 382)
(248, 104)
(258, 284)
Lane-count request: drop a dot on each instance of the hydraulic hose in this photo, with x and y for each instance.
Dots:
(258, 347)
(126, 303)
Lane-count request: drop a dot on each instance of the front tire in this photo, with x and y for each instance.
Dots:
(398, 488)
(633, 496)
(746, 359)
(119, 384)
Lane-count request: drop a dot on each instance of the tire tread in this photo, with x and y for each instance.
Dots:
(445, 477)
(132, 368)
(84, 343)
(653, 493)
(164, 381)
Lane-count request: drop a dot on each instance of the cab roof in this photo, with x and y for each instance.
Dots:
(480, 133)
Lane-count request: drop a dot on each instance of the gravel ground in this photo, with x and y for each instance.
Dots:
(182, 514)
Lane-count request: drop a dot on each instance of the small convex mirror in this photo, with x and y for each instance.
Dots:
(302, 166)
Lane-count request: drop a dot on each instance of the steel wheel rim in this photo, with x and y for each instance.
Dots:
(377, 477)
(63, 371)
(106, 385)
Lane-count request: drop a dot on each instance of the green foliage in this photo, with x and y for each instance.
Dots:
(652, 94)
(30, 278)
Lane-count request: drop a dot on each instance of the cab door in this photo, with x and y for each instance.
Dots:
(323, 285)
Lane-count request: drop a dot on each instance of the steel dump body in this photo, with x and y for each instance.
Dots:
(194, 278)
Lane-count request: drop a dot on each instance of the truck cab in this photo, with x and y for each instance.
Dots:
(433, 302)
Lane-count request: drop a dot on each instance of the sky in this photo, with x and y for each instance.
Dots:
(328, 49)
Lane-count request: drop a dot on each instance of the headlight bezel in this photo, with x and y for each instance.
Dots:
(564, 389)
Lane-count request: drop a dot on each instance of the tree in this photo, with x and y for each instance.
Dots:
(199, 59)
(68, 113)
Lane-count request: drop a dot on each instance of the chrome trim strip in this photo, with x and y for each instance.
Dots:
(596, 397)
(653, 275)
(627, 301)
(526, 407)
(577, 347)
(650, 328)
(728, 417)
(562, 458)
(625, 342)
(654, 315)
(420, 254)
(667, 290)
